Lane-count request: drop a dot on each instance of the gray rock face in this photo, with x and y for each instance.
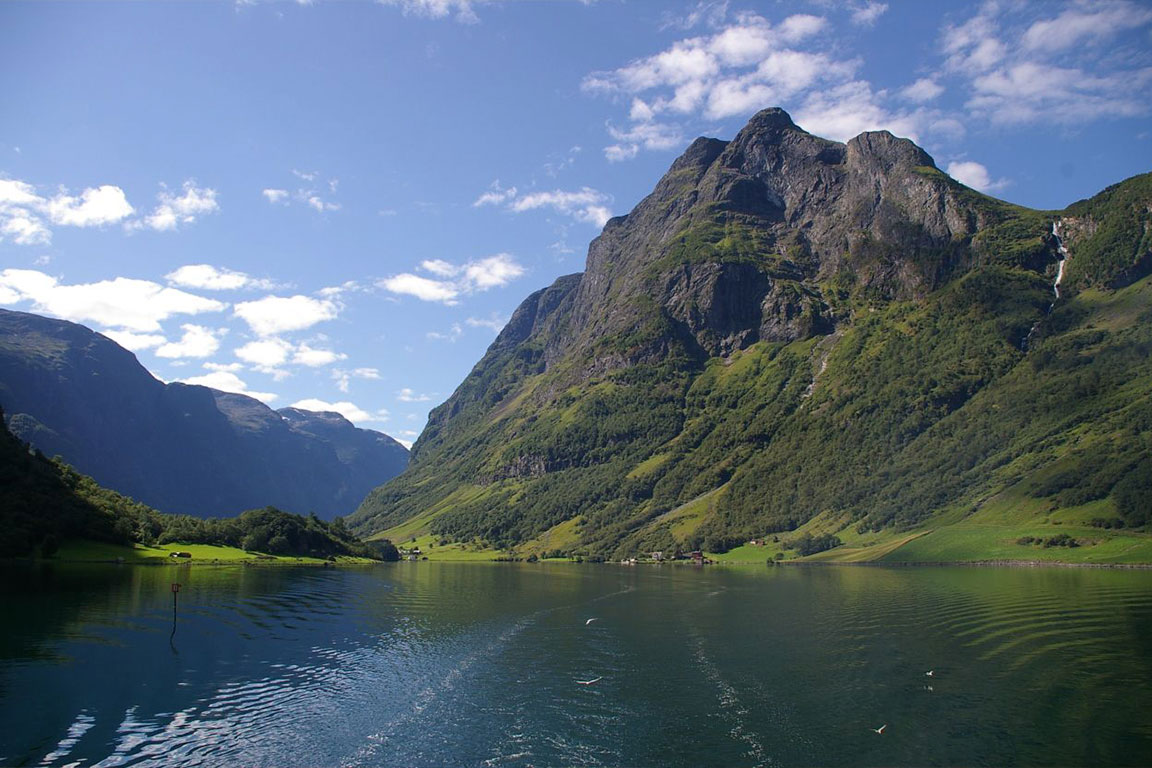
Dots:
(179, 448)
(737, 243)
(734, 243)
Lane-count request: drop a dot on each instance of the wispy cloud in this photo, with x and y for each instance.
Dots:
(462, 11)
(585, 204)
(178, 209)
(314, 193)
(452, 281)
(1019, 70)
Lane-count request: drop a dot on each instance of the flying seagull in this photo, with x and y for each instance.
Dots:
(930, 673)
(589, 682)
(590, 621)
(879, 730)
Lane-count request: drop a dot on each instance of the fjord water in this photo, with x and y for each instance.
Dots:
(434, 664)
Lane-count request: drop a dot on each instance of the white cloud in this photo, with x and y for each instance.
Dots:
(366, 373)
(124, 303)
(25, 215)
(491, 272)
(455, 280)
(848, 110)
(924, 89)
(16, 192)
(208, 277)
(440, 267)
(134, 342)
(176, 210)
(745, 65)
(796, 28)
(226, 381)
(23, 228)
(616, 153)
(275, 314)
(348, 410)
(226, 367)
(315, 358)
(197, 341)
(422, 288)
(93, 208)
(407, 395)
(265, 354)
(974, 175)
(866, 15)
(647, 135)
(275, 196)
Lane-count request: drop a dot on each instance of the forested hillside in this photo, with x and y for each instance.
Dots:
(44, 502)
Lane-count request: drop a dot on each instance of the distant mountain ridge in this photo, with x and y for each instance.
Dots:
(791, 329)
(180, 448)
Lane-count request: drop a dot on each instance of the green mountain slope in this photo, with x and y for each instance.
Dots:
(792, 330)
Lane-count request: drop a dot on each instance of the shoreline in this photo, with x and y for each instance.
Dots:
(160, 563)
(968, 564)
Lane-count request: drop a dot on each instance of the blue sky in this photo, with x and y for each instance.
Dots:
(339, 204)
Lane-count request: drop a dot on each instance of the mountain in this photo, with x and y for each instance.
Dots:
(791, 332)
(44, 502)
(176, 447)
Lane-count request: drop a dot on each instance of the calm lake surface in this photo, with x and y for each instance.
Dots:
(432, 664)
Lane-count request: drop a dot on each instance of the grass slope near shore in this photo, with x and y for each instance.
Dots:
(83, 551)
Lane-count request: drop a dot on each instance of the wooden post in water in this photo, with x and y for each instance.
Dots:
(175, 591)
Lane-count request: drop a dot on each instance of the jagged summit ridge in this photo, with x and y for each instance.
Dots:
(753, 218)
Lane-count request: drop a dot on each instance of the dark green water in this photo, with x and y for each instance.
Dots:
(424, 664)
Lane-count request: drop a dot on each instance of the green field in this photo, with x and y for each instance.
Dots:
(80, 551)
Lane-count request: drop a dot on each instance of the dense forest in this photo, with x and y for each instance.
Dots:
(44, 502)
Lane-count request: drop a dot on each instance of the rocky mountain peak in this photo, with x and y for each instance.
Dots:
(883, 152)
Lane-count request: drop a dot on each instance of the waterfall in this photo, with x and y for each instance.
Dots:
(1062, 251)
